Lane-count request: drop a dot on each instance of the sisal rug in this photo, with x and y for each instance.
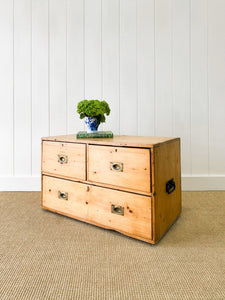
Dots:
(47, 256)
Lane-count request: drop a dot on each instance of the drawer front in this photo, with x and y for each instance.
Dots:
(120, 166)
(122, 211)
(64, 159)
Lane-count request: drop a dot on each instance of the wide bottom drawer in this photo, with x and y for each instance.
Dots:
(121, 211)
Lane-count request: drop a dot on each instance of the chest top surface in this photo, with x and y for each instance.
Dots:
(117, 140)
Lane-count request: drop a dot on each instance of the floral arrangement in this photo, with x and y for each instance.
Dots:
(93, 108)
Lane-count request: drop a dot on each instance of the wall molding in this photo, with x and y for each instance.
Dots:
(22, 183)
(189, 183)
(203, 183)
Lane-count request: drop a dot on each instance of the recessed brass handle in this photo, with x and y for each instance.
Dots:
(116, 166)
(118, 210)
(62, 158)
(62, 195)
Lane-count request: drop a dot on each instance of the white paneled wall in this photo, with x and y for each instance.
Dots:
(159, 63)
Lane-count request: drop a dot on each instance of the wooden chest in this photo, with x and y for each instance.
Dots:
(130, 184)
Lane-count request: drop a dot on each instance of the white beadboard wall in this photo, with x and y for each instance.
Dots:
(159, 63)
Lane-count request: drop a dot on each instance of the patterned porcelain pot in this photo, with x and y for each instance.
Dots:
(91, 124)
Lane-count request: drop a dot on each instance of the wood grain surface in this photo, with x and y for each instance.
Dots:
(167, 207)
(75, 167)
(135, 164)
(92, 204)
(117, 140)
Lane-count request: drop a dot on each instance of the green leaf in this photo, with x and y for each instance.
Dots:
(93, 108)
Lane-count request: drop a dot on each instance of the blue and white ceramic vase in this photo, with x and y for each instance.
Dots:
(91, 124)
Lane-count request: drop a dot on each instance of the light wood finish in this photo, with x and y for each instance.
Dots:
(148, 164)
(93, 204)
(166, 165)
(74, 168)
(117, 140)
(135, 164)
(115, 187)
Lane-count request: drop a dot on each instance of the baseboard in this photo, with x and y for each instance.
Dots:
(189, 183)
(23, 183)
(203, 183)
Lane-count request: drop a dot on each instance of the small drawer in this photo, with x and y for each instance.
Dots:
(64, 196)
(64, 159)
(121, 211)
(127, 168)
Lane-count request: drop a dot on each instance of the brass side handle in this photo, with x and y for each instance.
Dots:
(62, 195)
(62, 158)
(116, 166)
(118, 210)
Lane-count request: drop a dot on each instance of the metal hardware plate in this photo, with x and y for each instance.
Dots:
(170, 186)
(62, 195)
(62, 158)
(116, 166)
(118, 210)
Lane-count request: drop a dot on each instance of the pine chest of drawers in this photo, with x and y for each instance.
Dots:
(130, 184)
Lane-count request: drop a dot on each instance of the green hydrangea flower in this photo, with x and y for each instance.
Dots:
(93, 108)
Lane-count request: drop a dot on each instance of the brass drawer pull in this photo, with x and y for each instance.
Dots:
(118, 210)
(116, 166)
(62, 159)
(62, 195)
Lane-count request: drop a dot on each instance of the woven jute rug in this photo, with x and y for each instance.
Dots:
(47, 256)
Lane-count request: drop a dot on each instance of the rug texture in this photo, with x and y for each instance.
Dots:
(48, 256)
